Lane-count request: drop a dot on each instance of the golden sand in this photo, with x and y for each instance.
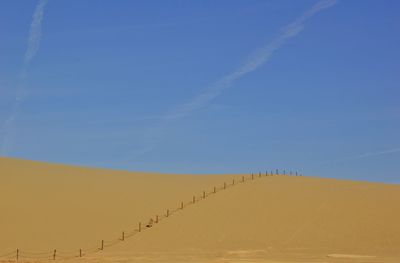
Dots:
(269, 219)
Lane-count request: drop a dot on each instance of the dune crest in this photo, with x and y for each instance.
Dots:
(47, 207)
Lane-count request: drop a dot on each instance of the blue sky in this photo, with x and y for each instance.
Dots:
(204, 86)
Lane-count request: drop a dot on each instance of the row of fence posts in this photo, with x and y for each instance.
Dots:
(181, 208)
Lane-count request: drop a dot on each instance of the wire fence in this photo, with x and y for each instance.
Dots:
(55, 254)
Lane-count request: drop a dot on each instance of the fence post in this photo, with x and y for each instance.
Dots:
(252, 176)
(140, 226)
(242, 179)
(17, 254)
(80, 252)
(123, 236)
(204, 194)
(167, 212)
(233, 182)
(54, 254)
(215, 189)
(181, 205)
(156, 219)
(102, 245)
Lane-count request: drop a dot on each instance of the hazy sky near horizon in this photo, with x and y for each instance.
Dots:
(204, 86)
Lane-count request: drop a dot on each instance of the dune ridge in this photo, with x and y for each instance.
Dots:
(17, 254)
(277, 219)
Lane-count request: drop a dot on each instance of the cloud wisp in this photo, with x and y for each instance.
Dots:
(35, 33)
(255, 61)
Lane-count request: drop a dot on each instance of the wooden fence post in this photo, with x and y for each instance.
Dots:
(54, 254)
(242, 179)
(167, 212)
(215, 189)
(102, 245)
(17, 254)
(156, 219)
(123, 236)
(233, 182)
(204, 194)
(80, 252)
(181, 205)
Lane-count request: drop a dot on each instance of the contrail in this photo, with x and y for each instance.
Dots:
(259, 58)
(370, 154)
(35, 33)
(361, 156)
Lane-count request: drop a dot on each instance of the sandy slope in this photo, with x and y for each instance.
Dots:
(270, 219)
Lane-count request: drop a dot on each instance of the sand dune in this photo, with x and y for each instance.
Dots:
(269, 219)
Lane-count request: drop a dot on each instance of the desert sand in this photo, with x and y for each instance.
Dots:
(46, 207)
